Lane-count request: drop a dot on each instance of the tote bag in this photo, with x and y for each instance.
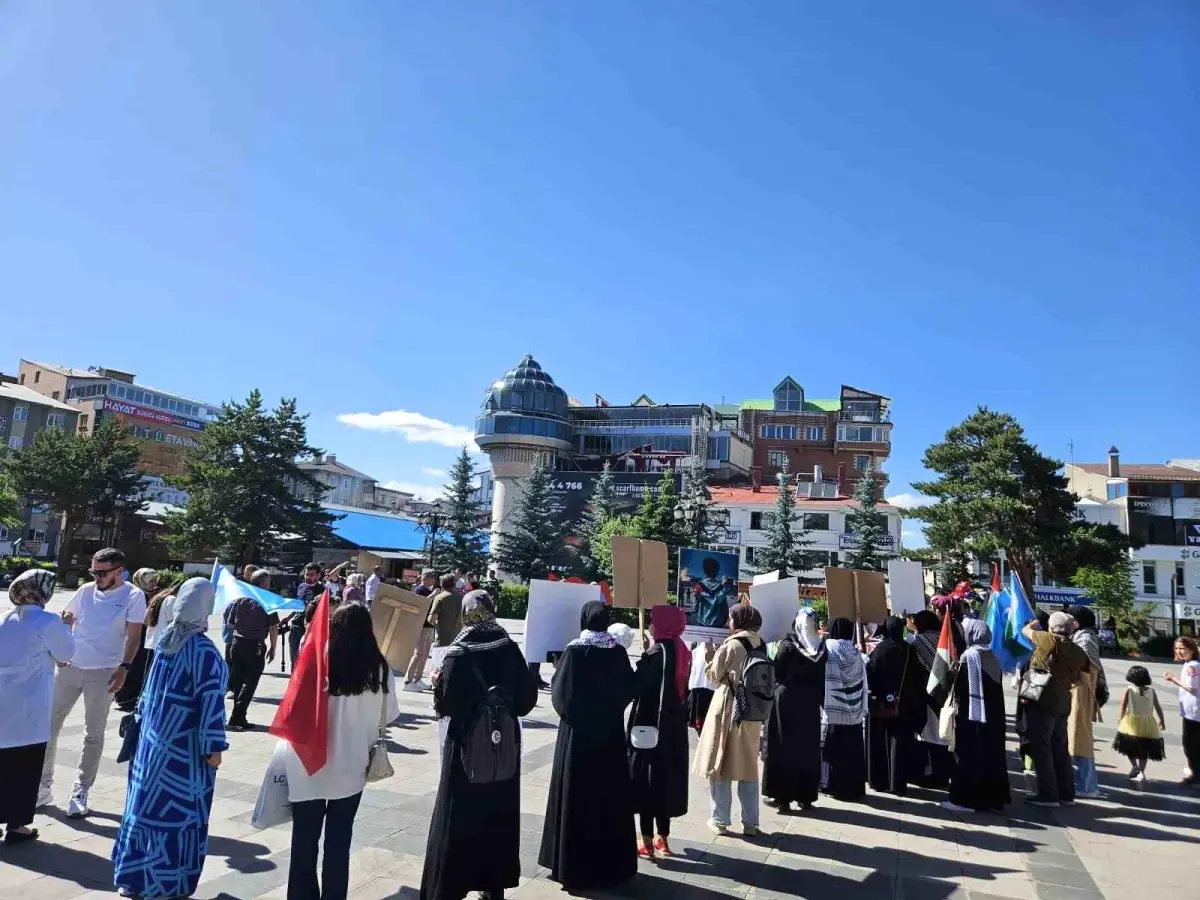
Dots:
(272, 807)
(645, 737)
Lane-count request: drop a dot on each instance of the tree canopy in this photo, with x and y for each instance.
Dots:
(247, 492)
(785, 551)
(590, 564)
(10, 504)
(461, 544)
(530, 543)
(868, 526)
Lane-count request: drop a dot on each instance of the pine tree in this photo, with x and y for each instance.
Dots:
(655, 520)
(785, 551)
(601, 508)
(461, 544)
(696, 529)
(868, 526)
(530, 543)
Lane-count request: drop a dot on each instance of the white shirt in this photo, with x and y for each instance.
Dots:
(353, 727)
(1189, 703)
(697, 677)
(372, 588)
(164, 616)
(101, 618)
(31, 639)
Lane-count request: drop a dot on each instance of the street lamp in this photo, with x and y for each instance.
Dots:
(431, 522)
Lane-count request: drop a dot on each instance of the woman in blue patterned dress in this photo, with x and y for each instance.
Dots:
(163, 839)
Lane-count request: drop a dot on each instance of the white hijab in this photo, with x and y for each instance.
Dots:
(806, 632)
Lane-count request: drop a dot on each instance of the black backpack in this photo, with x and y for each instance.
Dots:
(755, 696)
(491, 747)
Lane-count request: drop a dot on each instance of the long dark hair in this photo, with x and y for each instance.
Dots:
(355, 663)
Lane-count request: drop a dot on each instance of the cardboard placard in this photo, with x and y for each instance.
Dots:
(552, 619)
(777, 602)
(906, 586)
(856, 595)
(653, 582)
(639, 573)
(397, 617)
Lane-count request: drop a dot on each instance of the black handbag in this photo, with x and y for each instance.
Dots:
(130, 731)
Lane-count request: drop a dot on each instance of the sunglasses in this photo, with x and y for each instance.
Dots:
(100, 573)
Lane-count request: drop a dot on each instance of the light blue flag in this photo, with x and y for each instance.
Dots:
(229, 589)
(997, 622)
(1020, 614)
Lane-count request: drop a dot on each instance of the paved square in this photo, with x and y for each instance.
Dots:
(884, 847)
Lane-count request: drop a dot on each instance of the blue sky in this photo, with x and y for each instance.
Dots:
(379, 207)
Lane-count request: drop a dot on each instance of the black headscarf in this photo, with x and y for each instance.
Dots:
(745, 617)
(595, 616)
(926, 620)
(841, 630)
(892, 629)
(1084, 616)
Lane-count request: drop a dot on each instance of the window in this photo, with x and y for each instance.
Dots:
(1149, 579)
(56, 420)
(777, 458)
(345, 484)
(139, 397)
(761, 521)
(16, 442)
(862, 463)
(54, 395)
(1117, 489)
(814, 433)
(750, 556)
(816, 521)
(83, 420)
(20, 413)
(37, 376)
(3, 530)
(37, 534)
(1180, 584)
(779, 432)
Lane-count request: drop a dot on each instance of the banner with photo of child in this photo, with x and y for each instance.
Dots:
(708, 587)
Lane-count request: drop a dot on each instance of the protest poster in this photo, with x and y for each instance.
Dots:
(552, 619)
(397, 617)
(639, 573)
(856, 595)
(777, 602)
(766, 577)
(708, 587)
(906, 586)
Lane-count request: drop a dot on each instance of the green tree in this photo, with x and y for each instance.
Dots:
(785, 551)
(1112, 589)
(246, 489)
(601, 510)
(655, 519)
(530, 543)
(10, 504)
(460, 545)
(995, 491)
(1088, 546)
(81, 476)
(696, 528)
(868, 526)
(617, 526)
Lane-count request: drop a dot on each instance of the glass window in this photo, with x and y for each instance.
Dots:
(16, 442)
(1149, 579)
(816, 521)
(761, 521)
(20, 413)
(517, 400)
(37, 376)
(814, 433)
(1180, 584)
(1177, 490)
(525, 426)
(862, 463)
(777, 458)
(750, 556)
(539, 426)
(139, 397)
(158, 436)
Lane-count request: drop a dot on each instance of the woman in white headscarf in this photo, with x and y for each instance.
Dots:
(31, 642)
(160, 849)
(980, 779)
(792, 751)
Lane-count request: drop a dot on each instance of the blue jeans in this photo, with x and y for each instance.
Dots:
(1087, 779)
(720, 802)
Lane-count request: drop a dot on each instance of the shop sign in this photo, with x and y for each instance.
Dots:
(1151, 506)
(851, 541)
(152, 415)
(1191, 533)
(1187, 508)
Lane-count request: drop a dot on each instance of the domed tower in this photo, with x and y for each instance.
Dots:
(524, 416)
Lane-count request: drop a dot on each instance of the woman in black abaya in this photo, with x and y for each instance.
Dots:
(792, 751)
(843, 764)
(933, 764)
(980, 779)
(589, 839)
(896, 710)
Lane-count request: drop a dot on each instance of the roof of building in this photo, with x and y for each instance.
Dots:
(336, 465)
(769, 494)
(379, 531)
(809, 405)
(64, 370)
(22, 394)
(1144, 471)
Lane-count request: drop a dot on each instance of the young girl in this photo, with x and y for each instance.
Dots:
(1188, 682)
(1138, 735)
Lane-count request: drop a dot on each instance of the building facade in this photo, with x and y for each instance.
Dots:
(1158, 506)
(352, 489)
(23, 413)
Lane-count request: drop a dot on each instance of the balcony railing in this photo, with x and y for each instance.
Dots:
(865, 419)
(625, 424)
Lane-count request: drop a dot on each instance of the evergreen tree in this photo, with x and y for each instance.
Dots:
(81, 476)
(601, 509)
(785, 551)
(696, 528)
(868, 525)
(995, 491)
(10, 504)
(461, 544)
(246, 489)
(655, 519)
(531, 542)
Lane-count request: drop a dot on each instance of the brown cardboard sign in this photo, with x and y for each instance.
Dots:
(653, 582)
(856, 595)
(397, 616)
(627, 561)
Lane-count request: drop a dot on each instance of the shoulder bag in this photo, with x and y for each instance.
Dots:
(1034, 681)
(889, 706)
(645, 737)
(379, 766)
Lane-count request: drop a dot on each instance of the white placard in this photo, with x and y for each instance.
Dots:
(777, 602)
(906, 583)
(552, 620)
(765, 577)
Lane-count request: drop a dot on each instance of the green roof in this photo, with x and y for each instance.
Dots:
(809, 405)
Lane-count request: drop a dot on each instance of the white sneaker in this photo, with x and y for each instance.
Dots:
(416, 687)
(45, 798)
(717, 828)
(77, 808)
(1140, 776)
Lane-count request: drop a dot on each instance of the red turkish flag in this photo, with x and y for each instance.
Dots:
(303, 717)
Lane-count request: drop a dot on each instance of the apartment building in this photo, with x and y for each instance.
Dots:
(350, 488)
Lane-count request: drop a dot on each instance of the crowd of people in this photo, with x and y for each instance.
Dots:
(816, 712)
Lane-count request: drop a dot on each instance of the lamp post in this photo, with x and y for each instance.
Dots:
(431, 521)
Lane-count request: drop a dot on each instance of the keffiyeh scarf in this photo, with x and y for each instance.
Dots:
(1089, 643)
(594, 639)
(845, 683)
(481, 636)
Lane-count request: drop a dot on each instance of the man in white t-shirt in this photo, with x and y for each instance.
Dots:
(373, 585)
(106, 617)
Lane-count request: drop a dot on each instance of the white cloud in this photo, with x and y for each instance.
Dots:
(433, 473)
(910, 501)
(415, 427)
(426, 492)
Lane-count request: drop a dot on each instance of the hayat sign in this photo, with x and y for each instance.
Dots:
(152, 415)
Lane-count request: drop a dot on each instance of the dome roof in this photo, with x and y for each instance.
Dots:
(527, 375)
(526, 389)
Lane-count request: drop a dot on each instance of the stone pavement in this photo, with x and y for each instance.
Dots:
(884, 847)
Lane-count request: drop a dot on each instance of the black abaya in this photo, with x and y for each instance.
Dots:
(589, 839)
(792, 749)
(980, 780)
(474, 836)
(659, 777)
(893, 670)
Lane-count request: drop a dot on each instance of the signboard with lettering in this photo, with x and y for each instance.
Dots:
(1151, 506)
(1187, 508)
(151, 415)
(850, 541)
(570, 493)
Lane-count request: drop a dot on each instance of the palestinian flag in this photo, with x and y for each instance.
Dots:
(941, 673)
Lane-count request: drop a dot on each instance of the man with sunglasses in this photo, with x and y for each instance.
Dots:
(106, 617)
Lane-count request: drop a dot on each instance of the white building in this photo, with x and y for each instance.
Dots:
(751, 512)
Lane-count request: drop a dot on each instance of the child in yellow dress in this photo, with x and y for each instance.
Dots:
(1139, 736)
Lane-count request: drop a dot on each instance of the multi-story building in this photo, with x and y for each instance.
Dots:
(1158, 506)
(23, 413)
(352, 489)
(164, 424)
(752, 511)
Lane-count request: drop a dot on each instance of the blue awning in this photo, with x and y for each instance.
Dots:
(378, 532)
